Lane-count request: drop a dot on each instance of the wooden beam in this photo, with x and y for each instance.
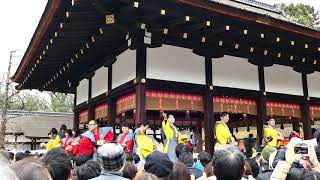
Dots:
(261, 106)
(209, 120)
(305, 109)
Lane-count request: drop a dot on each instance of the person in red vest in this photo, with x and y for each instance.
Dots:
(98, 136)
(66, 142)
(126, 138)
(83, 146)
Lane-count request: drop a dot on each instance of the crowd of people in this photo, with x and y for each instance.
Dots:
(98, 154)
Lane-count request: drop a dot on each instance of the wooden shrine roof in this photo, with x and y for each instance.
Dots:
(76, 37)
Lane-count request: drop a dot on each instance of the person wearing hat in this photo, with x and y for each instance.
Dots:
(222, 131)
(112, 159)
(270, 135)
(266, 152)
(171, 134)
(54, 140)
(126, 138)
(159, 164)
(98, 135)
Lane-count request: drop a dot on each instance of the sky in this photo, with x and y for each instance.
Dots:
(19, 19)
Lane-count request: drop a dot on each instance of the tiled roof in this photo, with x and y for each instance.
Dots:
(253, 6)
(36, 124)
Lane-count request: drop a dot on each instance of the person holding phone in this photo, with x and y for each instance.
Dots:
(299, 152)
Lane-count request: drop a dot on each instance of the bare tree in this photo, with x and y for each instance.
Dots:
(5, 105)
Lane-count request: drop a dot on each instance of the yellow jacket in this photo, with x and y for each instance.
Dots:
(52, 143)
(269, 131)
(169, 132)
(222, 133)
(144, 144)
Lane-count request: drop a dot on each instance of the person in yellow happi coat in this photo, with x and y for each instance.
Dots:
(143, 144)
(222, 132)
(54, 140)
(171, 134)
(270, 135)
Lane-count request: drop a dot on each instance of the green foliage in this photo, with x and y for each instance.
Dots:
(302, 14)
(60, 102)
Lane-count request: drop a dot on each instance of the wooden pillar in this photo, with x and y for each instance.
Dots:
(112, 111)
(209, 121)
(261, 106)
(75, 114)
(91, 110)
(305, 109)
(141, 61)
(32, 144)
(76, 120)
(110, 77)
(90, 88)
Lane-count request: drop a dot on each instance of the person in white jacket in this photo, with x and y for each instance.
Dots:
(283, 167)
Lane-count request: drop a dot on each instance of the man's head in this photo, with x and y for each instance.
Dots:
(81, 159)
(271, 121)
(187, 159)
(125, 127)
(250, 135)
(112, 157)
(224, 117)
(93, 125)
(228, 163)
(63, 127)
(159, 164)
(204, 158)
(58, 163)
(88, 170)
(171, 119)
(181, 148)
(21, 155)
(31, 168)
(296, 127)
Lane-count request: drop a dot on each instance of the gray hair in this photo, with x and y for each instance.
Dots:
(110, 150)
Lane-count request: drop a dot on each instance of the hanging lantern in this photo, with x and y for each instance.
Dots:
(187, 115)
(290, 119)
(248, 128)
(237, 130)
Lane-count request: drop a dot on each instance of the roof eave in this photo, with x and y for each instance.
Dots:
(46, 19)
